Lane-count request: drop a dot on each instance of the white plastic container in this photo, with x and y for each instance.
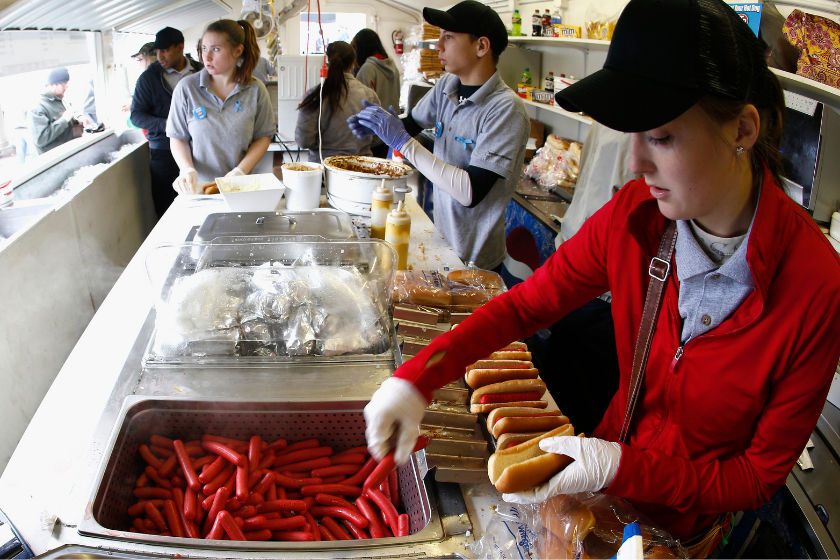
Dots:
(303, 186)
(251, 193)
(7, 194)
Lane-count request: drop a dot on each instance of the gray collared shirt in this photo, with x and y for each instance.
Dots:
(219, 132)
(709, 293)
(488, 130)
(173, 76)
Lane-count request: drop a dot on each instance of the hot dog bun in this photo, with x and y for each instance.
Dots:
(533, 386)
(526, 465)
(505, 440)
(479, 377)
(500, 364)
(480, 278)
(510, 355)
(523, 419)
(567, 518)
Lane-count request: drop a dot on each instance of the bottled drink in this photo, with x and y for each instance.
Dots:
(547, 29)
(397, 229)
(549, 82)
(536, 24)
(556, 19)
(383, 198)
(516, 24)
(526, 77)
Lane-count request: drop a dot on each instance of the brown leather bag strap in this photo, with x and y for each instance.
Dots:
(660, 267)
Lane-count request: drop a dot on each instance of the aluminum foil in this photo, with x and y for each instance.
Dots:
(301, 310)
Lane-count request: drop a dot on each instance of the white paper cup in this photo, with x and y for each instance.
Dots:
(303, 188)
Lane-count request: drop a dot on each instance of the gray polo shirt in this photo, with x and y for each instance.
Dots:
(173, 76)
(488, 130)
(219, 132)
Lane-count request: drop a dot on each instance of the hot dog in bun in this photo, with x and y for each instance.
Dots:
(516, 393)
(487, 372)
(513, 351)
(508, 440)
(526, 465)
(523, 419)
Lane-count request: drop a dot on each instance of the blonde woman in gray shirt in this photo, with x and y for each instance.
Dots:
(221, 120)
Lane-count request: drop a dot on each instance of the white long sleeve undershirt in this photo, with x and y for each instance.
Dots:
(453, 180)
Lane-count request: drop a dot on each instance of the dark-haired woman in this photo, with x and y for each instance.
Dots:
(341, 98)
(745, 344)
(379, 72)
(221, 120)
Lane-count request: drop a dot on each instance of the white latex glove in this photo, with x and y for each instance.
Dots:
(397, 407)
(235, 172)
(595, 466)
(187, 181)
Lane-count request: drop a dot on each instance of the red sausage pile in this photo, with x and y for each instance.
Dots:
(221, 488)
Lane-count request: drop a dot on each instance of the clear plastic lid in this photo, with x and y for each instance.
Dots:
(252, 303)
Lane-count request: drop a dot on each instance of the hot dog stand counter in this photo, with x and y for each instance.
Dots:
(70, 479)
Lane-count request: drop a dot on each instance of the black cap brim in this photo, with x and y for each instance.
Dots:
(627, 102)
(441, 19)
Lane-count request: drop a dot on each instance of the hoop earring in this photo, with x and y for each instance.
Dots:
(739, 151)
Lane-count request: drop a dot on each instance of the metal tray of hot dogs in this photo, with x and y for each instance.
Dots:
(337, 424)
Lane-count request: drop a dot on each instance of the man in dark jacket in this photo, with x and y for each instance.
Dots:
(50, 121)
(150, 109)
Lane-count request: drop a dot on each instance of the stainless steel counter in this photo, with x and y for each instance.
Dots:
(547, 207)
(53, 470)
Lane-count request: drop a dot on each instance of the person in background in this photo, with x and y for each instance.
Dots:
(221, 121)
(50, 122)
(89, 107)
(146, 56)
(342, 97)
(150, 108)
(264, 70)
(379, 72)
(745, 342)
(481, 128)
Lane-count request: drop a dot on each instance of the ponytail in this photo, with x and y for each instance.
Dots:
(340, 57)
(237, 33)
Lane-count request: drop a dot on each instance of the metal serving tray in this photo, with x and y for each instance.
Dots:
(241, 226)
(339, 424)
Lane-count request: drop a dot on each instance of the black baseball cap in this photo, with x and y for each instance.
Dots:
(471, 17)
(665, 55)
(167, 37)
(145, 50)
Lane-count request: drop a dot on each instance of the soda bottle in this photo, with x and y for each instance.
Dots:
(516, 21)
(547, 30)
(536, 24)
(549, 82)
(526, 77)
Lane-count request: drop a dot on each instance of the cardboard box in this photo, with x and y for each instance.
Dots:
(537, 133)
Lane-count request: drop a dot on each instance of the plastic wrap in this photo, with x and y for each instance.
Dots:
(557, 163)
(591, 525)
(433, 289)
(506, 536)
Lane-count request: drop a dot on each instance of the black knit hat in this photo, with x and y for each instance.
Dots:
(665, 55)
(471, 17)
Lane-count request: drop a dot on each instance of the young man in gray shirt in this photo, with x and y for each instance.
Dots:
(481, 128)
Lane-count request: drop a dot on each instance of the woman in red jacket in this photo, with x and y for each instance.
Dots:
(745, 342)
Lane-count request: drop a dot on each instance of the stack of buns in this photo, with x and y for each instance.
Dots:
(525, 465)
(459, 290)
(506, 378)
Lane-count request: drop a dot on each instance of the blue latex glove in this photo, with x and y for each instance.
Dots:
(387, 125)
(358, 129)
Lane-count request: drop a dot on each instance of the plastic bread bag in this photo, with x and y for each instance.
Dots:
(598, 25)
(591, 525)
(472, 287)
(506, 536)
(422, 287)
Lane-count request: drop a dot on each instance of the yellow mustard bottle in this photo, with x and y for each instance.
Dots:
(381, 204)
(397, 228)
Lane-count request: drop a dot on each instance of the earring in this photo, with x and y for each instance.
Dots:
(240, 61)
(739, 150)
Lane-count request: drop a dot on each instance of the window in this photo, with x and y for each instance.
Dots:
(336, 27)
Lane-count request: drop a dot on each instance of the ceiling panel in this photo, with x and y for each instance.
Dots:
(102, 15)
